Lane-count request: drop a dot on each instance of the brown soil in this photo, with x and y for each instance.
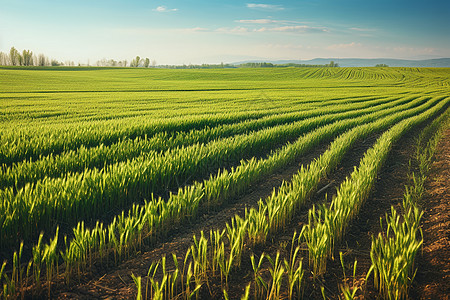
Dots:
(433, 275)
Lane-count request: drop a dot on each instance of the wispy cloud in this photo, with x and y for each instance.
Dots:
(194, 30)
(234, 30)
(139, 31)
(284, 46)
(258, 21)
(164, 9)
(280, 29)
(295, 29)
(299, 29)
(362, 29)
(271, 7)
(270, 21)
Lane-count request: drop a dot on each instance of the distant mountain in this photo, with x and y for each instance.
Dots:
(363, 62)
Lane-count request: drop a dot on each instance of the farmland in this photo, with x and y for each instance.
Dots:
(215, 183)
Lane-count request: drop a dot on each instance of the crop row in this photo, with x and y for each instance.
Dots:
(209, 257)
(277, 210)
(38, 140)
(17, 145)
(130, 180)
(379, 76)
(327, 225)
(97, 157)
(138, 105)
(125, 233)
(393, 251)
(157, 216)
(38, 206)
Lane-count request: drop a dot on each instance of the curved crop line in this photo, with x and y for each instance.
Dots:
(275, 212)
(127, 232)
(101, 156)
(328, 225)
(393, 253)
(93, 192)
(17, 146)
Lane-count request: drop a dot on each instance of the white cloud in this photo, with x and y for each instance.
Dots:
(297, 29)
(362, 29)
(233, 30)
(258, 21)
(195, 29)
(269, 21)
(139, 31)
(271, 7)
(285, 46)
(237, 30)
(163, 8)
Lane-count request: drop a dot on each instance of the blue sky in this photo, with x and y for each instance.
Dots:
(200, 31)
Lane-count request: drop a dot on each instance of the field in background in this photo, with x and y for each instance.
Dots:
(78, 146)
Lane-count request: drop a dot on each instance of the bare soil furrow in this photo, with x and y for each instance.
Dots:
(433, 275)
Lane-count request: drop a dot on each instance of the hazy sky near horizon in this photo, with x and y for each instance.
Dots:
(201, 31)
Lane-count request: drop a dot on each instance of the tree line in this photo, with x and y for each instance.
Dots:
(27, 58)
(136, 62)
(332, 64)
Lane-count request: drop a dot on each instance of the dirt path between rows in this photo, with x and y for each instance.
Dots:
(433, 275)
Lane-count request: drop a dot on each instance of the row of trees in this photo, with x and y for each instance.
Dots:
(27, 58)
(248, 65)
(202, 66)
(142, 62)
(111, 63)
(332, 64)
(136, 62)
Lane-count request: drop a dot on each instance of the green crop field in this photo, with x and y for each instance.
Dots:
(103, 166)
